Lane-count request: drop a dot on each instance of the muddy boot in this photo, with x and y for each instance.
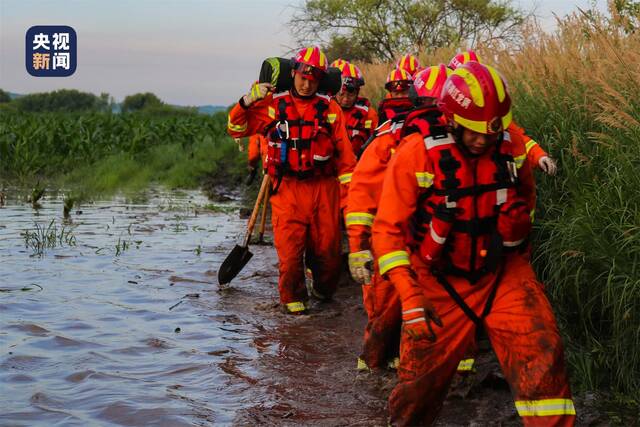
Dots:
(312, 290)
(295, 308)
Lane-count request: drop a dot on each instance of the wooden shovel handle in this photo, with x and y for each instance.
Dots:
(256, 210)
(263, 219)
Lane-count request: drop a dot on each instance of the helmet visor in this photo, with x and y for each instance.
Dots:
(308, 71)
(398, 86)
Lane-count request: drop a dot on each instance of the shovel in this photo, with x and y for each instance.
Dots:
(263, 219)
(240, 255)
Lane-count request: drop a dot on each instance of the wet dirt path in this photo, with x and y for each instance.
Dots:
(108, 333)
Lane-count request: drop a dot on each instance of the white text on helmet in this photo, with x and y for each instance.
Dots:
(458, 96)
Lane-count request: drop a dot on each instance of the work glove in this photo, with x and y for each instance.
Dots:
(360, 266)
(418, 314)
(258, 91)
(548, 165)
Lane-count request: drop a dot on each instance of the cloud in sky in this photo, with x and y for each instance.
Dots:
(188, 52)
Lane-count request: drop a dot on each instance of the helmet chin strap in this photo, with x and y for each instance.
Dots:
(295, 93)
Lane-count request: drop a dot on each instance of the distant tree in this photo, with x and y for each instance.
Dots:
(385, 28)
(64, 100)
(141, 101)
(4, 97)
(342, 47)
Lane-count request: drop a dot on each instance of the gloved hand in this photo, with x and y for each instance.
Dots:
(359, 266)
(257, 92)
(548, 165)
(417, 315)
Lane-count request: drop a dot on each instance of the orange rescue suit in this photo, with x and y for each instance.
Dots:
(507, 301)
(306, 206)
(381, 337)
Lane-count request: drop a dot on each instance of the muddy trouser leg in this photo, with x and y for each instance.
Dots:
(524, 334)
(426, 368)
(290, 234)
(324, 235)
(382, 333)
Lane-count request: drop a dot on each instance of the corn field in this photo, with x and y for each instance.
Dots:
(103, 149)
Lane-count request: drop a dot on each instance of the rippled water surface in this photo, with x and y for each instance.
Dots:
(122, 322)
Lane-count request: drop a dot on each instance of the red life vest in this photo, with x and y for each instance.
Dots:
(391, 107)
(421, 120)
(358, 129)
(473, 189)
(299, 146)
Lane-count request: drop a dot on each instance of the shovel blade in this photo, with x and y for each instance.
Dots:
(233, 264)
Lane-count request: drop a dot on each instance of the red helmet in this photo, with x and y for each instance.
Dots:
(338, 63)
(428, 83)
(311, 63)
(351, 75)
(462, 58)
(476, 97)
(398, 80)
(409, 63)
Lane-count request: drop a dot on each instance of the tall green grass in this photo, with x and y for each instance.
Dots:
(577, 92)
(579, 97)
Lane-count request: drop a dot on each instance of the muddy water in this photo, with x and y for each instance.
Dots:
(102, 332)
(139, 333)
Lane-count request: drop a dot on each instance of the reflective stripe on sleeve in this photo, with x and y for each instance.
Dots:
(367, 124)
(237, 128)
(530, 145)
(545, 407)
(435, 237)
(512, 244)
(359, 218)
(331, 118)
(345, 178)
(425, 179)
(392, 260)
(272, 112)
(520, 160)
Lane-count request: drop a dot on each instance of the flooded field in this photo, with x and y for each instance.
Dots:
(115, 317)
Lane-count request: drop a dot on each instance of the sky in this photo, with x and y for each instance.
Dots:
(188, 52)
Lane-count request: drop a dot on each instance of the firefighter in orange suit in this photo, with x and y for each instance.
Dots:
(397, 99)
(359, 115)
(469, 269)
(309, 158)
(382, 333)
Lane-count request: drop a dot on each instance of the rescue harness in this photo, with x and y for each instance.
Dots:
(299, 146)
